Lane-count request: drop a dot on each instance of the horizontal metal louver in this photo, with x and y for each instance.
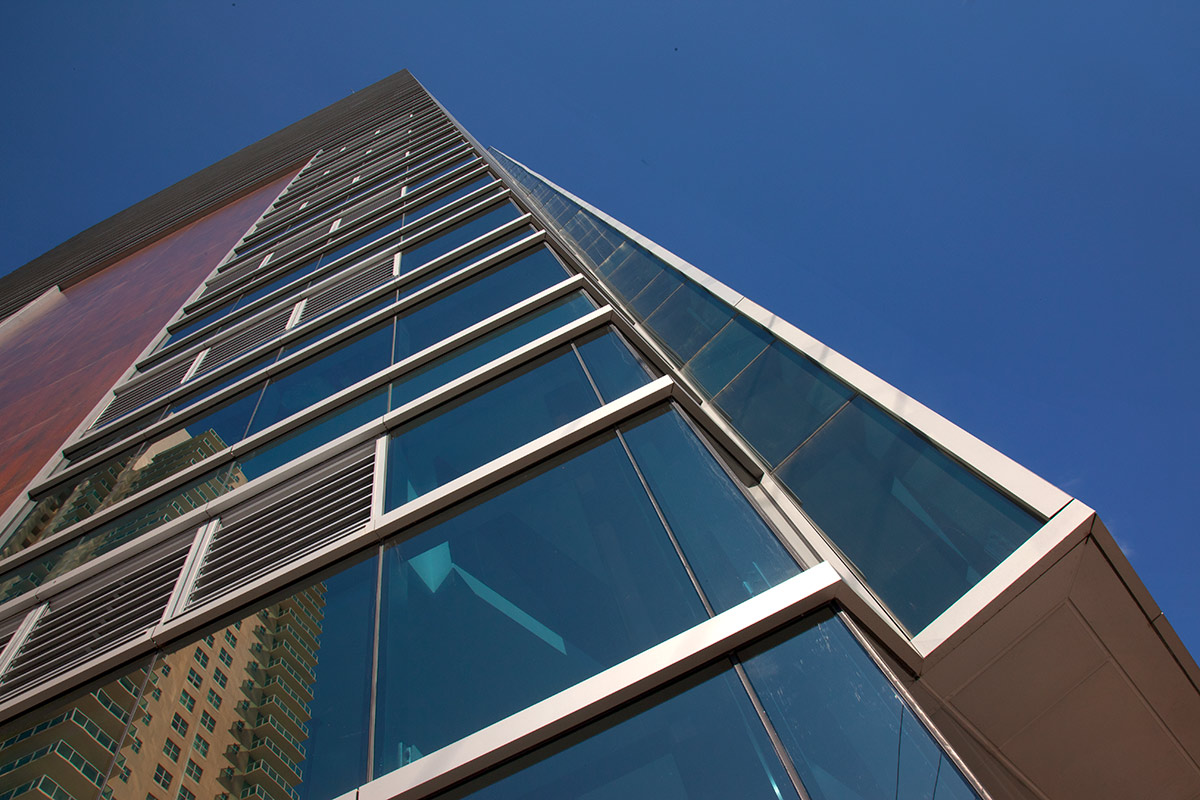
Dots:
(283, 525)
(245, 341)
(352, 286)
(138, 394)
(96, 617)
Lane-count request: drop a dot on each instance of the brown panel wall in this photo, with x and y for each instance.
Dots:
(57, 365)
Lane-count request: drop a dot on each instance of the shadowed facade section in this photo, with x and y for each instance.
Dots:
(69, 349)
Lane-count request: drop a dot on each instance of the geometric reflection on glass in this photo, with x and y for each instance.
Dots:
(920, 528)
(848, 732)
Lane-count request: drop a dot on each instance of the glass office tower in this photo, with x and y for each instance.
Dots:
(443, 483)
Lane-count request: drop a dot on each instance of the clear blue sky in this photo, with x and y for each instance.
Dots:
(994, 206)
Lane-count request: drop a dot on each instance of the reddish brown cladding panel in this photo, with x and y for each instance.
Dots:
(57, 366)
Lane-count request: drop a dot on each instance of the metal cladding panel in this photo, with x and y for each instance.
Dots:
(97, 617)
(281, 526)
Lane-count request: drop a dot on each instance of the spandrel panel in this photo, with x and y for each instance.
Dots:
(72, 746)
(281, 696)
(849, 734)
(779, 400)
(920, 527)
(535, 586)
(504, 340)
(698, 739)
(731, 550)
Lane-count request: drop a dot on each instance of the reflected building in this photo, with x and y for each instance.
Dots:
(430, 479)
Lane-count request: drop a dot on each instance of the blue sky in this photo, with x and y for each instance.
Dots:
(994, 206)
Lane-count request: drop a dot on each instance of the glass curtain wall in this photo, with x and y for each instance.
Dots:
(919, 526)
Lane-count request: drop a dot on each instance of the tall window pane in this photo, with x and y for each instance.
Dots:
(848, 732)
(539, 584)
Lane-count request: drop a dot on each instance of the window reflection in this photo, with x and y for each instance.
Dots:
(538, 585)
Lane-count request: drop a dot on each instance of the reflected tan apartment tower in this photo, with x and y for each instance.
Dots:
(369, 463)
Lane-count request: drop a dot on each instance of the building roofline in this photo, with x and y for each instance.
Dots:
(184, 202)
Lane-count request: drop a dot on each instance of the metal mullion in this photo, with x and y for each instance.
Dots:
(864, 640)
(594, 698)
(108, 514)
(354, 152)
(190, 571)
(20, 637)
(272, 369)
(390, 157)
(428, 174)
(785, 758)
(662, 518)
(379, 478)
(329, 184)
(292, 260)
(391, 170)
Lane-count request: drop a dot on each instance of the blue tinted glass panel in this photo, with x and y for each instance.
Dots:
(312, 435)
(337, 368)
(727, 354)
(920, 527)
(298, 672)
(230, 379)
(731, 550)
(635, 272)
(700, 739)
(439, 173)
(779, 400)
(613, 367)
(363, 240)
(505, 340)
(283, 280)
(539, 584)
(429, 249)
(75, 500)
(341, 323)
(847, 731)
(476, 299)
(198, 323)
(445, 200)
(485, 424)
(658, 290)
(494, 245)
(139, 468)
(688, 319)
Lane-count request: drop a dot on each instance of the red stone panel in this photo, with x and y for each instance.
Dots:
(57, 366)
